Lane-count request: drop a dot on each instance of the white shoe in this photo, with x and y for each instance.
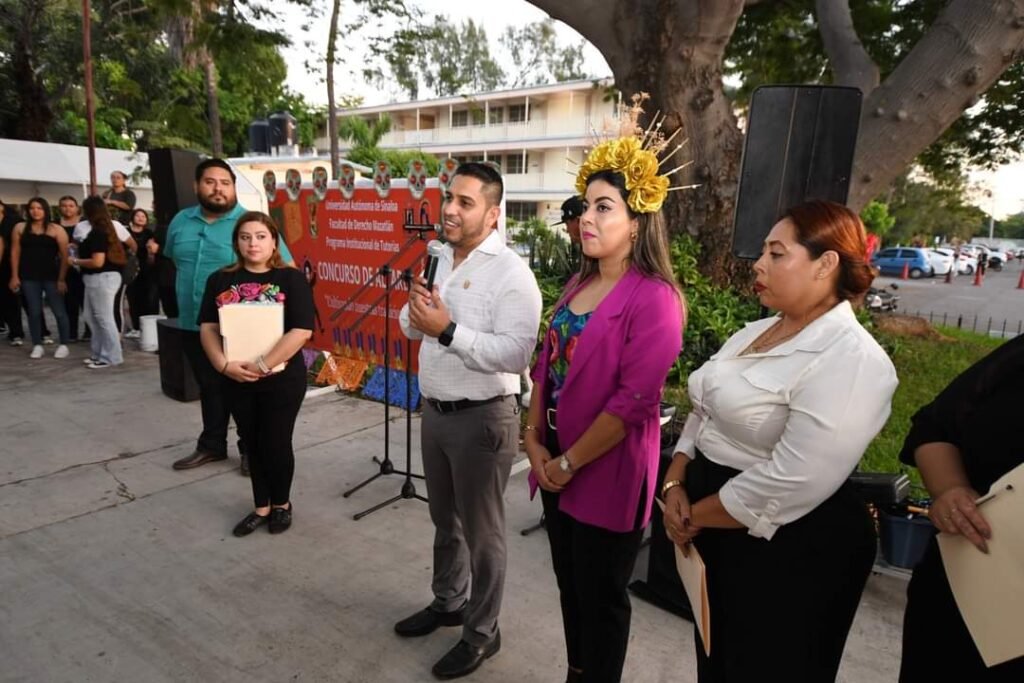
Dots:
(132, 334)
(98, 364)
(16, 341)
(48, 340)
(61, 352)
(90, 359)
(37, 352)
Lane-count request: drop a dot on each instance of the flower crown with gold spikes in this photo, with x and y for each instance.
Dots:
(633, 152)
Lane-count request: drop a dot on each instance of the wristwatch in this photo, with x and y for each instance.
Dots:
(565, 465)
(446, 337)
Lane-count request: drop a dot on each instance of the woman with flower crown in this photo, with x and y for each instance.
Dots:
(592, 432)
(264, 399)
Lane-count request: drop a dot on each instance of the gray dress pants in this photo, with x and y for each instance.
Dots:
(467, 456)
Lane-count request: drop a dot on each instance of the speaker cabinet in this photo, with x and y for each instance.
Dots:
(799, 147)
(177, 379)
(172, 172)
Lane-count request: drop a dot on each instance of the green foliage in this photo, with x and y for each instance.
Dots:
(925, 209)
(537, 58)
(713, 313)
(877, 219)
(1012, 227)
(550, 252)
(366, 136)
(924, 368)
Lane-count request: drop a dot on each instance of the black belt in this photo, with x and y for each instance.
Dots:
(453, 406)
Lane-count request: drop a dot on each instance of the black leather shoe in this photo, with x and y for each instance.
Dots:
(280, 519)
(243, 467)
(427, 621)
(248, 525)
(197, 458)
(464, 659)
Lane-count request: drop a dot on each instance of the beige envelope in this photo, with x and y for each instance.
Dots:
(251, 330)
(989, 589)
(695, 583)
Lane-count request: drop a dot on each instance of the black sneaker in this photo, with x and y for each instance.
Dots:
(280, 519)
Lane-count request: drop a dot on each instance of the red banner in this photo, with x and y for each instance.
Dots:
(341, 245)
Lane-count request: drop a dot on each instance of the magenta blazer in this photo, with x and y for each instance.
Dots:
(619, 366)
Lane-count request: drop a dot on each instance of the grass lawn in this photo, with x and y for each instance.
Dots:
(924, 368)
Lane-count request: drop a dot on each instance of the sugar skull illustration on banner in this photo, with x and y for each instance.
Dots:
(382, 178)
(320, 182)
(447, 172)
(270, 185)
(347, 180)
(312, 205)
(292, 183)
(417, 178)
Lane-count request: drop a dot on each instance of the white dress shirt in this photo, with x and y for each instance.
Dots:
(83, 229)
(495, 303)
(795, 419)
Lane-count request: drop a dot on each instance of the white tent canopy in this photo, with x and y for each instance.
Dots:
(50, 170)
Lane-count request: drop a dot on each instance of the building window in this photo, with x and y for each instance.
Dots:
(520, 211)
(514, 164)
(497, 115)
(477, 116)
(460, 119)
(517, 113)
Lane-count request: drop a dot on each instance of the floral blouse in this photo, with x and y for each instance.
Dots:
(563, 335)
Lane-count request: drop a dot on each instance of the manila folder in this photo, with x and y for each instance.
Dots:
(251, 330)
(695, 583)
(989, 589)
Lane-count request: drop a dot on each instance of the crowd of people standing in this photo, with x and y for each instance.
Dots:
(80, 264)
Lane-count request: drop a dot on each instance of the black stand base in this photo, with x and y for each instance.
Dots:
(530, 529)
(387, 467)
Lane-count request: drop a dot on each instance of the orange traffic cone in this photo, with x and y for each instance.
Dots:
(1020, 282)
(906, 272)
(977, 277)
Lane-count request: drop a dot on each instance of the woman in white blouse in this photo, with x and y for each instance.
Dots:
(781, 416)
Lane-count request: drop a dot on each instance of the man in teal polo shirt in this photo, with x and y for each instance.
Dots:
(199, 242)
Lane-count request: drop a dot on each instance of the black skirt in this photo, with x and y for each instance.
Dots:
(781, 609)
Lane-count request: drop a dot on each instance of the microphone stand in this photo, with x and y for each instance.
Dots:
(408, 487)
(386, 466)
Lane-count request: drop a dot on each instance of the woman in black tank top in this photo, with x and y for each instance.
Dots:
(39, 251)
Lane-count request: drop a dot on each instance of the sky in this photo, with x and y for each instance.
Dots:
(1006, 184)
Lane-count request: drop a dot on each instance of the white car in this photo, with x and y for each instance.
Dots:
(941, 263)
(966, 265)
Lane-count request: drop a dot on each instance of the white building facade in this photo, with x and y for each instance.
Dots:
(537, 136)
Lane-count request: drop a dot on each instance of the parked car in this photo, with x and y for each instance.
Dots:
(880, 300)
(892, 260)
(966, 265)
(940, 262)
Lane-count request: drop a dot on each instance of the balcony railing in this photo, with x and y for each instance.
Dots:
(501, 132)
(542, 182)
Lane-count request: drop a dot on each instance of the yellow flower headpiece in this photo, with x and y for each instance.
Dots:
(634, 153)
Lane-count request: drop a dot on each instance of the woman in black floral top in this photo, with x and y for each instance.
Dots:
(265, 402)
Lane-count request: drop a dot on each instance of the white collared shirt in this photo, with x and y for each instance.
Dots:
(795, 419)
(495, 303)
(83, 228)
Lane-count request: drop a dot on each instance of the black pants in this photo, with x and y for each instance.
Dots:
(143, 298)
(936, 643)
(265, 412)
(119, 307)
(74, 299)
(781, 609)
(212, 398)
(592, 567)
(10, 308)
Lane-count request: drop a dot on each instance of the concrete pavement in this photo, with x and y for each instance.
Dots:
(114, 567)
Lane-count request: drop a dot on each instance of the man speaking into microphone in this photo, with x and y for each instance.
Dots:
(479, 326)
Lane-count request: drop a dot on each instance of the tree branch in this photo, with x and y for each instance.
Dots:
(590, 18)
(963, 53)
(850, 61)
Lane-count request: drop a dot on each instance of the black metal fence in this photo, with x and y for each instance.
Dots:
(1004, 328)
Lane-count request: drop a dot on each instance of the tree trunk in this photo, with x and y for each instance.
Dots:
(962, 54)
(673, 51)
(212, 103)
(332, 105)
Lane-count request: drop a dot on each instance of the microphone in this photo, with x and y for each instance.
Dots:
(434, 250)
(423, 228)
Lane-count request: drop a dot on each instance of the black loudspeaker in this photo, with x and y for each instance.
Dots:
(259, 137)
(800, 145)
(172, 172)
(177, 379)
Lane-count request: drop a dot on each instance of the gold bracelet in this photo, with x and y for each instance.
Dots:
(669, 485)
(529, 428)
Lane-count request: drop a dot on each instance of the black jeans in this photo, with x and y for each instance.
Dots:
(265, 412)
(212, 397)
(593, 567)
(143, 298)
